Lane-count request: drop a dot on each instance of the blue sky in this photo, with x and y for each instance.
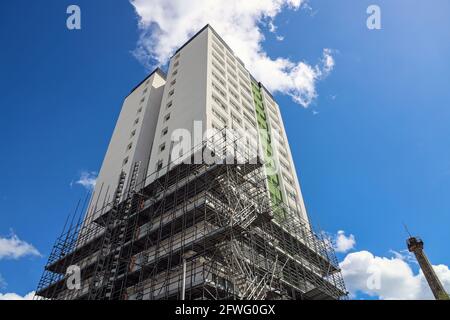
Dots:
(372, 150)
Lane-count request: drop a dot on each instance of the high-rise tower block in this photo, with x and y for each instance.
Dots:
(180, 214)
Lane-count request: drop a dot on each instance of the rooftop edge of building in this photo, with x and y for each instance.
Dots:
(158, 71)
(161, 73)
(228, 47)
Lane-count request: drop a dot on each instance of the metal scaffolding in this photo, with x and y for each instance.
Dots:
(196, 231)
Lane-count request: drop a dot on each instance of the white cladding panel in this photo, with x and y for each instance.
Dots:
(184, 99)
(131, 140)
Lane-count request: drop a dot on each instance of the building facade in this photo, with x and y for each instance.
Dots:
(166, 222)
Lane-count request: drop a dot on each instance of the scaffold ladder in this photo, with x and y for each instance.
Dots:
(102, 272)
(117, 248)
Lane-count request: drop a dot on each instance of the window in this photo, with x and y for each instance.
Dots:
(218, 60)
(247, 107)
(217, 43)
(133, 133)
(171, 92)
(271, 102)
(162, 147)
(218, 78)
(245, 88)
(234, 94)
(169, 105)
(249, 119)
(159, 165)
(218, 50)
(145, 91)
(231, 65)
(167, 117)
(219, 90)
(129, 146)
(284, 165)
(142, 100)
(243, 77)
(219, 116)
(139, 110)
(234, 84)
(218, 68)
(176, 64)
(136, 121)
(173, 82)
(288, 180)
(273, 116)
(235, 105)
(216, 126)
(231, 73)
(234, 118)
(219, 102)
(164, 131)
(125, 161)
(242, 69)
(246, 97)
(275, 125)
(230, 57)
(175, 73)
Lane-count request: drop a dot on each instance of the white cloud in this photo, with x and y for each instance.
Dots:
(13, 248)
(344, 243)
(15, 296)
(3, 283)
(166, 25)
(87, 180)
(388, 277)
(272, 27)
